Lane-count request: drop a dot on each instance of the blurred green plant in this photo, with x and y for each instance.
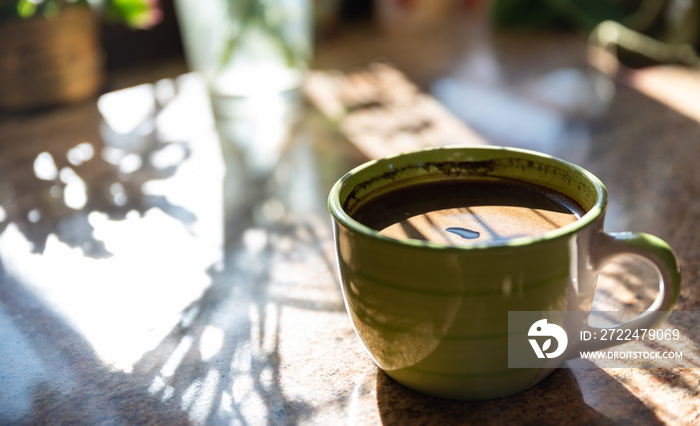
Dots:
(584, 14)
(637, 32)
(138, 14)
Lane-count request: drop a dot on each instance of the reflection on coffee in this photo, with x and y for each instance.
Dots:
(458, 212)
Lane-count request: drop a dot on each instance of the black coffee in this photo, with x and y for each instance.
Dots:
(459, 212)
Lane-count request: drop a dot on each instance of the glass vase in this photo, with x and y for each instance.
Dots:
(246, 47)
(253, 56)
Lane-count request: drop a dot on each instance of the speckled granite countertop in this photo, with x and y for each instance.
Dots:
(148, 276)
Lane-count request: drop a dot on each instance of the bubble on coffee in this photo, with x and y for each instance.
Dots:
(465, 233)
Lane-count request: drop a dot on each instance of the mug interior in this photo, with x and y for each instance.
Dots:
(379, 177)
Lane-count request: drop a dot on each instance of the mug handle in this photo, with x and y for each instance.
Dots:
(656, 251)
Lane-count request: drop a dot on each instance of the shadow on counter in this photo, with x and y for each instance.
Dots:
(558, 399)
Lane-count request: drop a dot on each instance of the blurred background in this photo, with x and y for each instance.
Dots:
(43, 65)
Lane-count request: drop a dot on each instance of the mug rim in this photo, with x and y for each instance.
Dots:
(337, 211)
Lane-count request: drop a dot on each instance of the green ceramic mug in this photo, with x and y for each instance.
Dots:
(434, 317)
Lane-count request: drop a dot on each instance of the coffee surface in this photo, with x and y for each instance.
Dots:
(459, 212)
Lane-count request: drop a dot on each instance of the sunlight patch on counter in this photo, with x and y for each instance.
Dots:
(127, 109)
(124, 305)
(75, 192)
(211, 342)
(45, 167)
(80, 153)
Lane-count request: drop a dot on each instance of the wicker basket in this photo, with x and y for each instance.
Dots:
(46, 62)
